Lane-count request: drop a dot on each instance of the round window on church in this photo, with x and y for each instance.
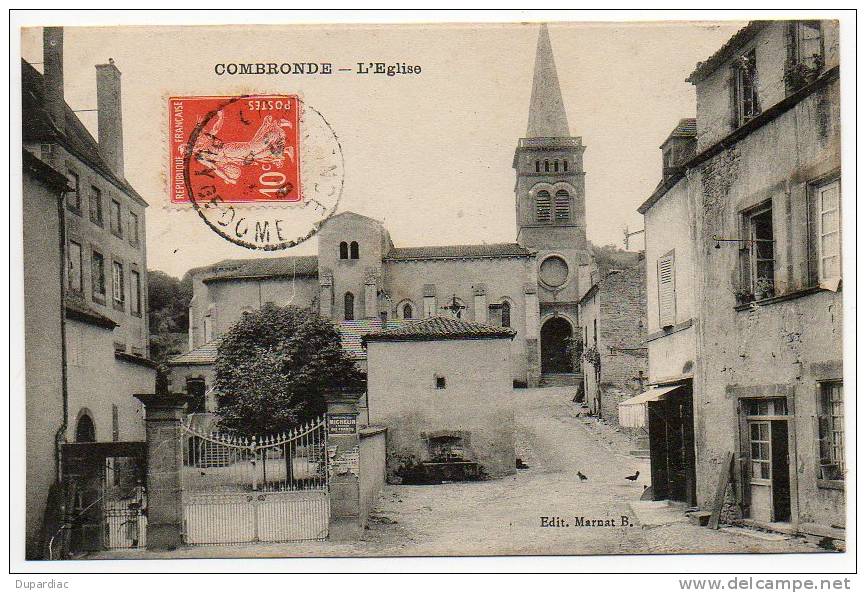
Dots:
(553, 271)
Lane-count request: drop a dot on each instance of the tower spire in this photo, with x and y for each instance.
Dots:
(547, 117)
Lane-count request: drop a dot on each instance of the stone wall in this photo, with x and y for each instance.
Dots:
(372, 468)
(789, 341)
(478, 398)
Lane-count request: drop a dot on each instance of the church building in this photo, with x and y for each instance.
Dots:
(365, 283)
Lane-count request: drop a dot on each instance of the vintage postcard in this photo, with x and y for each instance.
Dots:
(470, 289)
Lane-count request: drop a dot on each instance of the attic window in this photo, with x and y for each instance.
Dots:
(746, 73)
(440, 382)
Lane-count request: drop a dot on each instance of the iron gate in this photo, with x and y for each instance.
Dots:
(268, 489)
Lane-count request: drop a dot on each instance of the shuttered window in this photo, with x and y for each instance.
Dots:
(562, 206)
(667, 290)
(829, 258)
(542, 206)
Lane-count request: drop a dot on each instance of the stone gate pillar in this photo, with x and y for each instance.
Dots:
(344, 467)
(163, 414)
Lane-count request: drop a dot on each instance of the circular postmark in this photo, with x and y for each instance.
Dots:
(262, 171)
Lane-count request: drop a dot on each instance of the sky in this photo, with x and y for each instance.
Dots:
(429, 154)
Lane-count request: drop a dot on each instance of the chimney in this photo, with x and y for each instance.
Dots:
(52, 67)
(109, 116)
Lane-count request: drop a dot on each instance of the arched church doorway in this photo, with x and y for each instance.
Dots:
(555, 357)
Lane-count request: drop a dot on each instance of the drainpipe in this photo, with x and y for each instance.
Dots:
(60, 435)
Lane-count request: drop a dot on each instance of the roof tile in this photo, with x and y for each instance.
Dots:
(439, 328)
(458, 251)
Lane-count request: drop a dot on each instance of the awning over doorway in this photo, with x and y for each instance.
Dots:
(632, 412)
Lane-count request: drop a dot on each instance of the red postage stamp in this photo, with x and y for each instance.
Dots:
(241, 149)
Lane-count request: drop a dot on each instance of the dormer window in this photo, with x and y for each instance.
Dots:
(746, 81)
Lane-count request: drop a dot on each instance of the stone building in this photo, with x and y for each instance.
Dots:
(613, 324)
(44, 356)
(450, 408)
(763, 208)
(360, 279)
(666, 411)
(103, 243)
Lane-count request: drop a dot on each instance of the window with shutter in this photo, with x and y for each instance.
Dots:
(828, 239)
(542, 206)
(562, 206)
(667, 291)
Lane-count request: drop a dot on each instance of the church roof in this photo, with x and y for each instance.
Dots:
(547, 117)
(271, 267)
(439, 328)
(458, 251)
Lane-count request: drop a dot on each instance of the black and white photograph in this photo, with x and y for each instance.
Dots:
(496, 285)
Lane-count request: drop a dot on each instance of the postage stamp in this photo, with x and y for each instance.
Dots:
(246, 149)
(262, 171)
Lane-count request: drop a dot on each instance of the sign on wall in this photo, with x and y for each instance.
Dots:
(342, 423)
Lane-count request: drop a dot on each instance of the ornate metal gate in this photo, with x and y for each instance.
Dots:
(270, 489)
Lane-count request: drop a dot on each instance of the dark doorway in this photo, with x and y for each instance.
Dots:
(781, 476)
(672, 446)
(555, 357)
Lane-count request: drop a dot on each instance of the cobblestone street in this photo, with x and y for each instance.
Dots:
(504, 516)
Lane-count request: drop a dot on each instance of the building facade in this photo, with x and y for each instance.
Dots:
(763, 304)
(668, 415)
(44, 357)
(613, 327)
(452, 402)
(104, 275)
(360, 279)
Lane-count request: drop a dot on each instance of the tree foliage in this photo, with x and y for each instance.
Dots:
(168, 302)
(274, 367)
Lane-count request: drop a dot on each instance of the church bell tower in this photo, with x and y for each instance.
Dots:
(551, 216)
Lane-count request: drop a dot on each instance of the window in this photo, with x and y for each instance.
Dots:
(565, 166)
(562, 206)
(344, 250)
(73, 199)
(133, 228)
(98, 273)
(95, 205)
(506, 314)
(135, 292)
(595, 332)
(348, 306)
(828, 238)
(85, 431)
(547, 166)
(667, 290)
(353, 250)
(761, 264)
(116, 220)
(542, 206)
(667, 162)
(407, 311)
(759, 437)
(208, 328)
(746, 80)
(831, 431)
(117, 283)
(538, 166)
(556, 166)
(440, 382)
(808, 43)
(74, 263)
